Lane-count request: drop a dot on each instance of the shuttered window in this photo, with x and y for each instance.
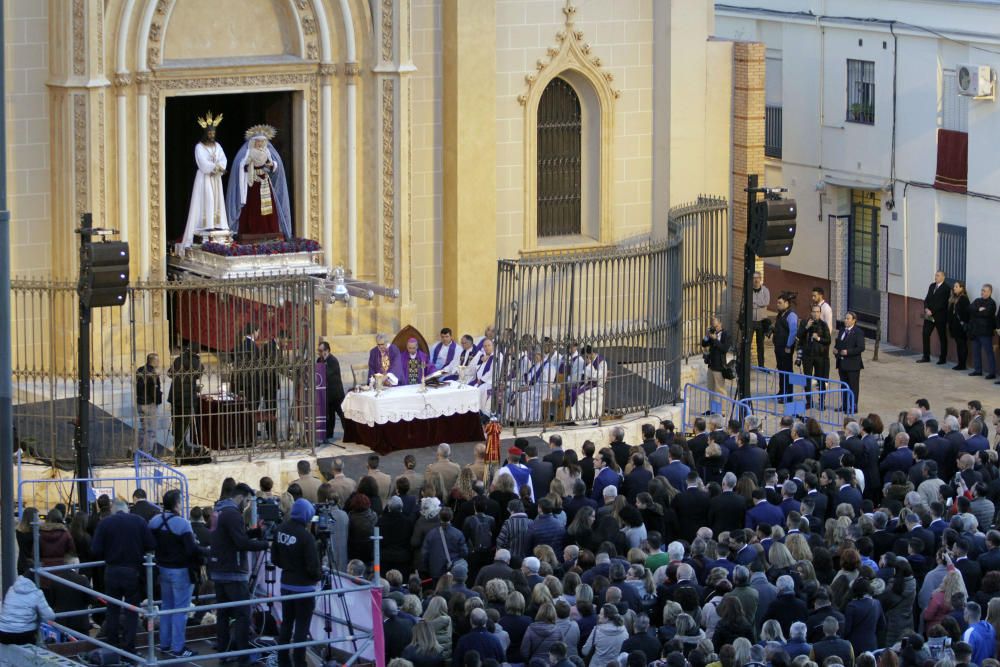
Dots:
(560, 127)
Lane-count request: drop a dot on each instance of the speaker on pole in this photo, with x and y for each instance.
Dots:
(772, 228)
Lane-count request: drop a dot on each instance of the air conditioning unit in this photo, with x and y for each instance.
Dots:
(975, 80)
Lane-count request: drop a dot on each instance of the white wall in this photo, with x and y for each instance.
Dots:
(818, 143)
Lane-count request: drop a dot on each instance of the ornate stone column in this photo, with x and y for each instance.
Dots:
(392, 85)
(77, 96)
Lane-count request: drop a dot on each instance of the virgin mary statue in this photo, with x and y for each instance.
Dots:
(257, 197)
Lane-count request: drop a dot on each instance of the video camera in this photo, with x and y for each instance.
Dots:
(324, 520)
(270, 515)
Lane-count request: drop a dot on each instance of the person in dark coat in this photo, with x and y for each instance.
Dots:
(959, 310)
(442, 546)
(396, 528)
(334, 389)
(691, 506)
(863, 617)
(936, 318)
(831, 645)
(727, 510)
(982, 322)
(542, 472)
(185, 373)
(479, 640)
(787, 608)
(397, 631)
(361, 524)
(849, 345)
(148, 397)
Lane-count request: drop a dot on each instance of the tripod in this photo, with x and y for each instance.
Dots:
(270, 577)
(332, 579)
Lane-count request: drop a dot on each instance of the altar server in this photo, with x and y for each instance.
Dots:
(382, 360)
(520, 472)
(571, 368)
(489, 335)
(467, 361)
(590, 401)
(536, 386)
(444, 355)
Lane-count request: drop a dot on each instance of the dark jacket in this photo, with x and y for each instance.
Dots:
(841, 648)
(726, 512)
(936, 300)
(334, 382)
(748, 458)
(787, 609)
(176, 546)
(360, 527)
(958, 318)
(853, 342)
(435, 560)
(983, 317)
(122, 540)
(397, 632)
(294, 551)
(396, 529)
(863, 621)
(148, 390)
(538, 639)
(542, 473)
(230, 542)
(546, 529)
(814, 624)
(814, 349)
(715, 350)
(145, 509)
(898, 609)
(691, 506)
(185, 371)
(478, 640)
(636, 482)
(54, 542)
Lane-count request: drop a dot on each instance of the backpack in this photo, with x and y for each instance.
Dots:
(482, 534)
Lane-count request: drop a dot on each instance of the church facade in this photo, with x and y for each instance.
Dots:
(423, 139)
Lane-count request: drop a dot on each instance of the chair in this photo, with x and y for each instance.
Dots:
(360, 370)
(408, 332)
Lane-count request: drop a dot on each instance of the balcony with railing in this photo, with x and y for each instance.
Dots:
(772, 131)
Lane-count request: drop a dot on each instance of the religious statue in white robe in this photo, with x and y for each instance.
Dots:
(208, 203)
(589, 402)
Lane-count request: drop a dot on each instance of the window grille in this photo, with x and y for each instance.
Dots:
(861, 91)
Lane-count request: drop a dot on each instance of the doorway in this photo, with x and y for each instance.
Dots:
(863, 294)
(240, 111)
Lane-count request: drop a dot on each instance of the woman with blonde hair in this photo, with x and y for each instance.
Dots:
(798, 547)
(436, 616)
(463, 491)
(771, 632)
(940, 602)
(568, 472)
(424, 649)
(781, 562)
(540, 595)
(541, 634)
(554, 586)
(545, 554)
(807, 572)
(742, 647)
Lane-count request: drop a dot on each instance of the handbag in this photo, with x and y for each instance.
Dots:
(447, 552)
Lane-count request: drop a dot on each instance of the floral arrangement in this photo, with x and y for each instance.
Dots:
(264, 248)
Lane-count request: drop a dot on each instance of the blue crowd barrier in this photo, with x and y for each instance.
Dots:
(699, 401)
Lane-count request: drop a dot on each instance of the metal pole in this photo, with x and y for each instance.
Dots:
(83, 368)
(747, 311)
(8, 565)
(150, 613)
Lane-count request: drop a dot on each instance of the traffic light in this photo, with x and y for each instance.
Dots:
(104, 274)
(772, 227)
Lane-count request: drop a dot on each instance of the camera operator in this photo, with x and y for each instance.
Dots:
(177, 553)
(229, 569)
(814, 349)
(716, 343)
(294, 551)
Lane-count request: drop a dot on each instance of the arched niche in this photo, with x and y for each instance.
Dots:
(232, 29)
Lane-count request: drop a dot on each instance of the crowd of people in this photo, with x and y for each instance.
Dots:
(869, 545)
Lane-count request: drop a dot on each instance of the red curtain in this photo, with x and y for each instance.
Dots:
(952, 161)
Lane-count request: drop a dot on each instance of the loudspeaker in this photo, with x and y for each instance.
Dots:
(772, 227)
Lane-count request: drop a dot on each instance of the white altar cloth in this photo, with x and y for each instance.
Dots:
(406, 403)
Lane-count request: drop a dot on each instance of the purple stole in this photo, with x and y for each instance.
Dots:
(451, 353)
(486, 367)
(478, 346)
(533, 377)
(589, 384)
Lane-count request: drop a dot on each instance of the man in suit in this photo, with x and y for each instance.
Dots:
(605, 476)
(800, 450)
(699, 441)
(819, 500)
(661, 455)
(780, 441)
(619, 446)
(309, 484)
(788, 502)
(848, 493)
(542, 472)
(691, 506)
(990, 560)
(833, 454)
(555, 455)
(936, 318)
(587, 463)
(648, 438)
(971, 570)
(637, 481)
(900, 458)
(747, 458)
(334, 389)
(763, 512)
(849, 345)
(914, 530)
(675, 471)
(726, 511)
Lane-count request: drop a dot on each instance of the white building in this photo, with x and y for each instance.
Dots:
(861, 95)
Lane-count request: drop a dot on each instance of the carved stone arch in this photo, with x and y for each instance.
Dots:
(571, 59)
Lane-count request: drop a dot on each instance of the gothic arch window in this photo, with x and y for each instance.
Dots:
(559, 161)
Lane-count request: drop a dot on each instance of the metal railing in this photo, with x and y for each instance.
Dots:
(210, 390)
(772, 131)
(163, 478)
(47, 493)
(624, 303)
(700, 402)
(365, 640)
(703, 229)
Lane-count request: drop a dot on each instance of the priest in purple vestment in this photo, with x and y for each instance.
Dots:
(383, 359)
(413, 365)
